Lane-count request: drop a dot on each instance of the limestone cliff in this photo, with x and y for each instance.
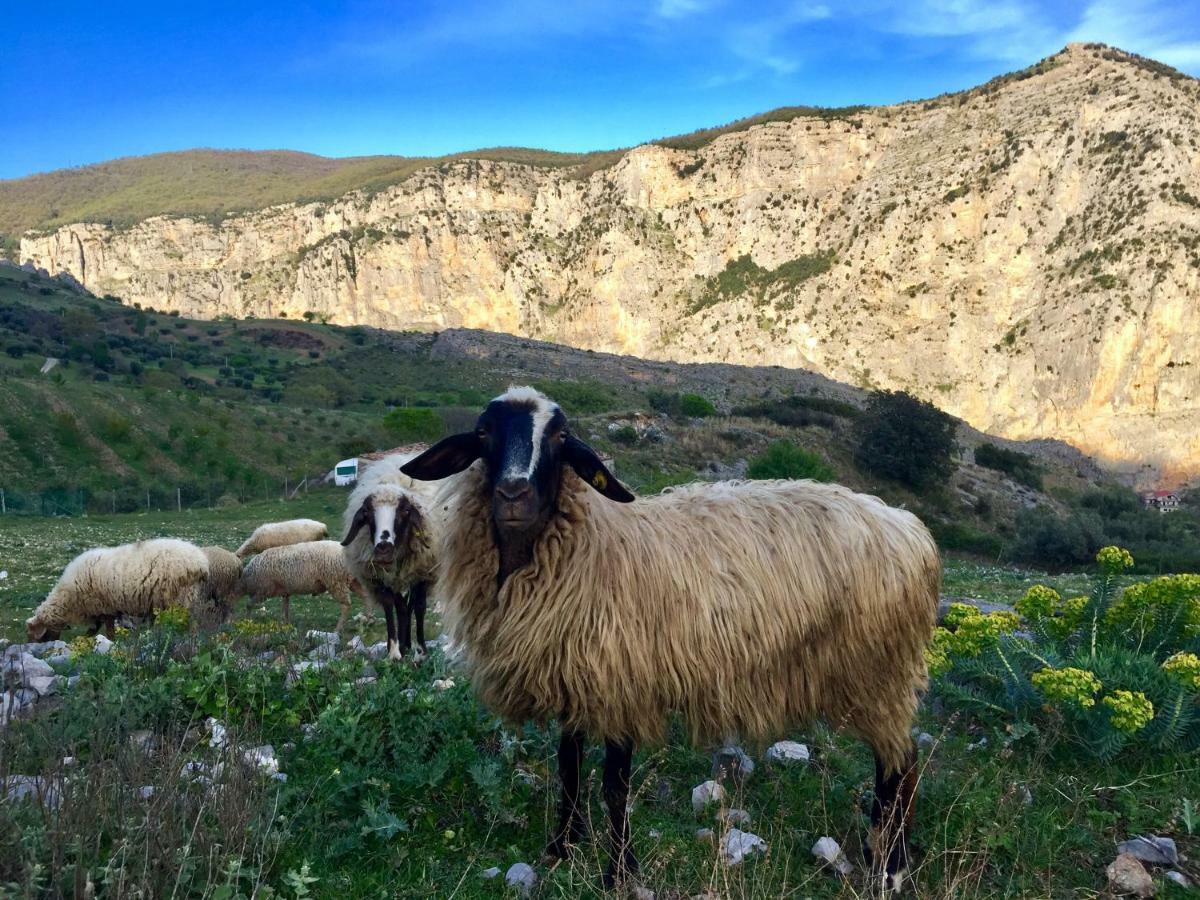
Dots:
(1026, 255)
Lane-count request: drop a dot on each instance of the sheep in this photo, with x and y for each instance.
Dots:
(133, 579)
(311, 567)
(387, 548)
(745, 607)
(224, 580)
(280, 534)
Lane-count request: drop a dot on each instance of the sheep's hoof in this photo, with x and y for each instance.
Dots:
(894, 882)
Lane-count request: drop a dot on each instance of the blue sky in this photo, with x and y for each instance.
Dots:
(85, 82)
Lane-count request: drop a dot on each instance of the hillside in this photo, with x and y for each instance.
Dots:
(1024, 254)
(150, 409)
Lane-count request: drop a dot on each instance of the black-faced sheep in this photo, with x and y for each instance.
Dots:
(280, 534)
(387, 547)
(133, 579)
(746, 607)
(312, 567)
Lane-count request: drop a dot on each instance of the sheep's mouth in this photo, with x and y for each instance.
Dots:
(385, 554)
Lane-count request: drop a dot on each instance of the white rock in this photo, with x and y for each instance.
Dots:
(1157, 851)
(33, 787)
(356, 645)
(706, 793)
(739, 844)
(61, 658)
(378, 651)
(24, 667)
(925, 741)
(1126, 875)
(262, 758)
(323, 651)
(43, 684)
(103, 644)
(323, 637)
(706, 836)
(641, 892)
(829, 850)
(308, 730)
(1179, 878)
(493, 872)
(145, 792)
(281, 777)
(143, 740)
(443, 684)
(3, 574)
(8, 707)
(365, 680)
(217, 736)
(69, 761)
(788, 752)
(734, 762)
(522, 877)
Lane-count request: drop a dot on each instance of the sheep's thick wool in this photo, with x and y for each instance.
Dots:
(312, 567)
(746, 607)
(280, 534)
(132, 579)
(224, 574)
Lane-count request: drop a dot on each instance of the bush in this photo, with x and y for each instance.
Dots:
(411, 424)
(1020, 466)
(1110, 673)
(783, 459)
(905, 439)
(798, 411)
(696, 407)
(626, 434)
(1046, 539)
(578, 397)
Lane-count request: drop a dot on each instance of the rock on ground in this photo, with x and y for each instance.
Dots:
(1157, 851)
(733, 761)
(522, 877)
(706, 793)
(739, 844)
(1126, 875)
(788, 752)
(831, 852)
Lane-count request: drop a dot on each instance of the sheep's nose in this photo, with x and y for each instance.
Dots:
(513, 489)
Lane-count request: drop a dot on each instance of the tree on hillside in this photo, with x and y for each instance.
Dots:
(905, 439)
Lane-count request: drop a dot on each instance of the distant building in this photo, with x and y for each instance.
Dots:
(1163, 501)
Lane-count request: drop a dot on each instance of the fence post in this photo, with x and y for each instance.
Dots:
(147, 499)
(178, 501)
(3, 504)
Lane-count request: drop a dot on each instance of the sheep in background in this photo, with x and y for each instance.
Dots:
(224, 581)
(746, 607)
(387, 547)
(312, 567)
(280, 534)
(133, 579)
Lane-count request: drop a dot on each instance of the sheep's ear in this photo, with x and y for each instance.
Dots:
(361, 518)
(445, 458)
(583, 459)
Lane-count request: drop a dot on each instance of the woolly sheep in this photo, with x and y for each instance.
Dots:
(312, 567)
(746, 607)
(387, 547)
(280, 534)
(224, 580)
(133, 579)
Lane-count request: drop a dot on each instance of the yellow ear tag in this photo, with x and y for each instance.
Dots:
(599, 482)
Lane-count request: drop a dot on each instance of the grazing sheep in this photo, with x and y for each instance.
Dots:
(312, 567)
(746, 607)
(280, 534)
(224, 580)
(387, 547)
(133, 579)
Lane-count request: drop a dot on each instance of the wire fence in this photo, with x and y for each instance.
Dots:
(81, 501)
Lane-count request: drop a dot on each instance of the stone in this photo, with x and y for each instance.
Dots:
(830, 851)
(281, 777)
(378, 651)
(364, 680)
(262, 758)
(705, 794)
(323, 637)
(19, 669)
(61, 658)
(738, 817)
(26, 696)
(1151, 849)
(146, 791)
(443, 684)
(739, 844)
(217, 735)
(490, 873)
(925, 741)
(706, 836)
(788, 753)
(1178, 878)
(34, 788)
(73, 680)
(8, 707)
(356, 645)
(103, 645)
(43, 684)
(732, 761)
(323, 651)
(522, 877)
(1126, 875)
(143, 740)
(641, 892)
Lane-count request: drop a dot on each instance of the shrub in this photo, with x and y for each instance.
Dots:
(1020, 466)
(626, 434)
(1104, 674)
(696, 407)
(905, 439)
(410, 424)
(579, 397)
(798, 411)
(783, 459)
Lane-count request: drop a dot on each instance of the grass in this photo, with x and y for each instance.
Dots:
(399, 797)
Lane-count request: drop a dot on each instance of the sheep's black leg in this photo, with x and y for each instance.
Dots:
(570, 816)
(417, 603)
(388, 601)
(891, 819)
(618, 766)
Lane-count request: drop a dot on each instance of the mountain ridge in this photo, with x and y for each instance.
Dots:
(1023, 253)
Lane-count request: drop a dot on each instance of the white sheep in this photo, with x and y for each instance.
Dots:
(224, 580)
(745, 607)
(133, 579)
(280, 534)
(387, 547)
(312, 567)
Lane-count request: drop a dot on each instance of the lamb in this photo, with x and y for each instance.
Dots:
(280, 534)
(746, 607)
(312, 567)
(387, 547)
(133, 579)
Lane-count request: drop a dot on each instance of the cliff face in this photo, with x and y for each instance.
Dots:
(1025, 255)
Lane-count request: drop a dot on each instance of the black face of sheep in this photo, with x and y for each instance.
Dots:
(524, 440)
(391, 526)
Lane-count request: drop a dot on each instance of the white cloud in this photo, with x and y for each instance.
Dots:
(1139, 26)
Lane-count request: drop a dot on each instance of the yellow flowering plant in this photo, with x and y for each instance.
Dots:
(1069, 686)
(1184, 668)
(1129, 711)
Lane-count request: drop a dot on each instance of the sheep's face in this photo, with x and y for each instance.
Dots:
(36, 632)
(524, 440)
(391, 519)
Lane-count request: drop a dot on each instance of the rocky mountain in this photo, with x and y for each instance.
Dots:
(1025, 254)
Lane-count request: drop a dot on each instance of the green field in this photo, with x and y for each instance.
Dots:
(399, 797)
